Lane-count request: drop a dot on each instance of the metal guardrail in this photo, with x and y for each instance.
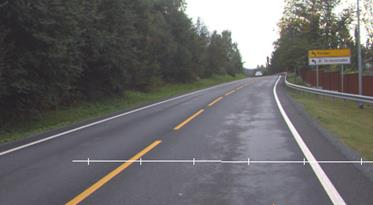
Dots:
(335, 94)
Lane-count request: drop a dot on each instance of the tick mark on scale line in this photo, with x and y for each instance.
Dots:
(194, 161)
(90, 190)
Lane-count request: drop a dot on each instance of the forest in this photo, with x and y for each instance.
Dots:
(58, 52)
(320, 24)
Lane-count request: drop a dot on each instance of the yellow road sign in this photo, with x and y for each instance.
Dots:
(329, 53)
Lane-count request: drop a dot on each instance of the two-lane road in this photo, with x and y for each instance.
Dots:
(230, 122)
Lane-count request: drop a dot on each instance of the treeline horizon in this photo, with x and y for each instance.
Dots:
(58, 52)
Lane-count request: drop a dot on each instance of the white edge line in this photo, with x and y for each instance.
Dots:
(329, 188)
(141, 161)
(111, 118)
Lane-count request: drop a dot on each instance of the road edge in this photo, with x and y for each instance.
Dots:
(58, 132)
(328, 186)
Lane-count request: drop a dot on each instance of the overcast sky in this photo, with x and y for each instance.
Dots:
(253, 23)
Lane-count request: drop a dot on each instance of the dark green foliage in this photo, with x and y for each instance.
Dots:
(106, 46)
(55, 52)
(41, 62)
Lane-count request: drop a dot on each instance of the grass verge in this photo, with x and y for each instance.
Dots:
(344, 119)
(292, 78)
(90, 110)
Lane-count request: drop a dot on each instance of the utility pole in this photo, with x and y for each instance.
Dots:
(359, 53)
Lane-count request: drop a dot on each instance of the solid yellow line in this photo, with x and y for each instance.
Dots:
(215, 101)
(189, 119)
(239, 88)
(231, 92)
(90, 190)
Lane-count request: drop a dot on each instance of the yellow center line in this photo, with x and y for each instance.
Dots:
(231, 92)
(239, 88)
(189, 119)
(90, 190)
(215, 101)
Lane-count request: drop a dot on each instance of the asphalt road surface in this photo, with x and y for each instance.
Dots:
(234, 122)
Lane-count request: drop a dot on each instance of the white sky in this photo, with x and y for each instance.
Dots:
(253, 23)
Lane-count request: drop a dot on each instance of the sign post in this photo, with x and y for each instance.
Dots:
(317, 76)
(342, 79)
(329, 57)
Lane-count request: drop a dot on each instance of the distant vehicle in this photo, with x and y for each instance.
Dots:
(258, 73)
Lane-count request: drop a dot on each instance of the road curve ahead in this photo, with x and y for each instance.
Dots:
(189, 150)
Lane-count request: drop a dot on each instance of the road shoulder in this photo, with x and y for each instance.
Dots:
(344, 149)
(350, 180)
(43, 136)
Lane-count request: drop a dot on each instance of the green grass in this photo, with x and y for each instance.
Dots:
(344, 119)
(292, 78)
(90, 110)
